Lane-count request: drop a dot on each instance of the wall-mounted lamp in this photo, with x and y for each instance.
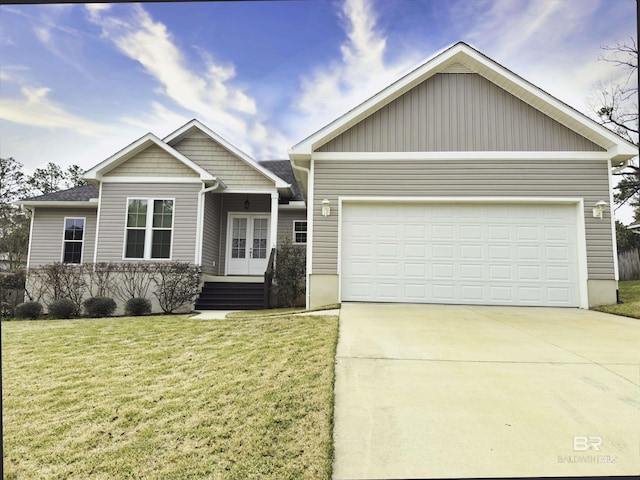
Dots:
(246, 203)
(326, 208)
(599, 208)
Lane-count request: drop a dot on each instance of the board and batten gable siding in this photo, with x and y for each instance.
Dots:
(219, 161)
(153, 161)
(113, 209)
(458, 112)
(463, 178)
(48, 228)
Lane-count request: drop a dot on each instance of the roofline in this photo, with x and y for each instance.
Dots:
(229, 146)
(58, 203)
(97, 172)
(461, 52)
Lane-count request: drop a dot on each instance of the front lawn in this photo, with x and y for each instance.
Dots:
(168, 397)
(630, 295)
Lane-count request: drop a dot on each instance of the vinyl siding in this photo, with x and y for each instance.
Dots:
(213, 157)
(48, 227)
(285, 223)
(113, 214)
(211, 239)
(458, 112)
(153, 161)
(500, 178)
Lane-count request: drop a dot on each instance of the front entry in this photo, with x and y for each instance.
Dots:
(247, 244)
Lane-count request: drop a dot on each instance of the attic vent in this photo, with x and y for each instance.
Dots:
(456, 68)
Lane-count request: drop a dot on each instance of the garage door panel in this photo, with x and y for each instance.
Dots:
(460, 253)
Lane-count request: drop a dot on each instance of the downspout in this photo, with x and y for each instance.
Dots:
(199, 226)
(309, 202)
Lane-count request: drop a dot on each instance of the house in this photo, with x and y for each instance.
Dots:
(461, 183)
(190, 197)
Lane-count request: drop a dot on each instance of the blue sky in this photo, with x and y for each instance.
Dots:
(80, 82)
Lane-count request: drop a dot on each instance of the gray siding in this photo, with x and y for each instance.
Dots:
(210, 155)
(539, 178)
(152, 161)
(211, 238)
(48, 228)
(113, 213)
(458, 112)
(285, 222)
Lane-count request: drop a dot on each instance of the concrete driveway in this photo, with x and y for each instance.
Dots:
(435, 391)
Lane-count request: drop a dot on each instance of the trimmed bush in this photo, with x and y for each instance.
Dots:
(30, 310)
(63, 308)
(100, 306)
(138, 306)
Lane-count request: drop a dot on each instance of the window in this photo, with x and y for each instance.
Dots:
(300, 231)
(149, 230)
(73, 239)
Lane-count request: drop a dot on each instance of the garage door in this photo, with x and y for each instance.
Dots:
(491, 254)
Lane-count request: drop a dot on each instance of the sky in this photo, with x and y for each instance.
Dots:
(80, 82)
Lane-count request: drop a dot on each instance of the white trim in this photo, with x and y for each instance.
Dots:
(443, 156)
(58, 203)
(251, 191)
(295, 205)
(310, 224)
(229, 146)
(148, 229)
(273, 227)
(583, 267)
(145, 180)
(583, 300)
(84, 231)
(199, 226)
(616, 268)
(33, 215)
(97, 235)
(294, 232)
(97, 172)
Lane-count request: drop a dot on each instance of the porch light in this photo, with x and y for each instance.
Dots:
(246, 204)
(326, 208)
(599, 208)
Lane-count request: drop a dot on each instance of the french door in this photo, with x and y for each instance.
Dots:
(247, 244)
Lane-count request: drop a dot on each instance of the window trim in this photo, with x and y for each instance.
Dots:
(295, 242)
(148, 229)
(64, 241)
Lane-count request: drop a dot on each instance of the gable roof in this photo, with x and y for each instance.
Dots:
(186, 129)
(283, 169)
(461, 57)
(97, 172)
(83, 195)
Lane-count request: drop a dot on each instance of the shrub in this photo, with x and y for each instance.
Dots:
(289, 274)
(138, 306)
(30, 310)
(100, 306)
(177, 284)
(63, 308)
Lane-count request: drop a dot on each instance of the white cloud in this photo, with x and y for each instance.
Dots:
(210, 92)
(35, 108)
(331, 90)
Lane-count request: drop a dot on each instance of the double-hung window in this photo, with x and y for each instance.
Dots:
(149, 228)
(299, 231)
(73, 239)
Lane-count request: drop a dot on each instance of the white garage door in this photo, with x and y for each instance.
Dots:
(492, 254)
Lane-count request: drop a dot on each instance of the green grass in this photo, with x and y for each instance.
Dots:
(168, 398)
(630, 296)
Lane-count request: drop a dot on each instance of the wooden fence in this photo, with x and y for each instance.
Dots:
(629, 265)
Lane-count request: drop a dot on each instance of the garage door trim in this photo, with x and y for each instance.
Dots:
(577, 202)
